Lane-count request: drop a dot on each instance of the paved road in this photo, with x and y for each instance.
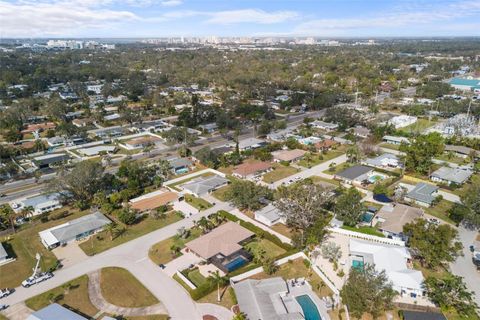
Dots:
(133, 256)
(464, 266)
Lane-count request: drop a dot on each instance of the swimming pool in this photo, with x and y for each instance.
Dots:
(367, 217)
(375, 178)
(236, 263)
(357, 264)
(309, 308)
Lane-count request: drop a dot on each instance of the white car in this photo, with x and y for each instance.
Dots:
(37, 279)
(5, 292)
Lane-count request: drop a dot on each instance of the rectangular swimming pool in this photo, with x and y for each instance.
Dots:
(310, 311)
(236, 263)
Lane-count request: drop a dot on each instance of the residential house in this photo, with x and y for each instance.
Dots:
(96, 88)
(223, 246)
(252, 169)
(204, 185)
(76, 229)
(390, 219)
(109, 132)
(326, 126)
(386, 160)
(50, 160)
(42, 203)
(395, 260)
(361, 132)
(355, 174)
(250, 144)
(180, 165)
(461, 151)
(39, 127)
(423, 194)
(95, 151)
(55, 311)
(269, 215)
(325, 145)
(288, 155)
(141, 142)
(450, 176)
(81, 123)
(267, 299)
(395, 140)
(154, 200)
(209, 127)
(149, 126)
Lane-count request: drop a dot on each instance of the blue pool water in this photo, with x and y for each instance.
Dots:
(367, 217)
(357, 264)
(182, 170)
(309, 308)
(375, 178)
(235, 264)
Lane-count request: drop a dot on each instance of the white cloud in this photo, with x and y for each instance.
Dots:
(28, 19)
(235, 16)
(395, 19)
(171, 3)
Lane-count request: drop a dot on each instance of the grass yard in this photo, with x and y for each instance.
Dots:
(338, 168)
(366, 230)
(418, 127)
(279, 172)
(101, 241)
(227, 297)
(282, 229)
(440, 211)
(453, 159)
(198, 203)
(220, 193)
(161, 252)
(122, 289)
(73, 294)
(323, 157)
(297, 269)
(24, 245)
(390, 146)
(259, 247)
(196, 277)
(324, 181)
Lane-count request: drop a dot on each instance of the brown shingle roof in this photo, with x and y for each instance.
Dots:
(246, 169)
(154, 202)
(225, 240)
(325, 144)
(288, 155)
(396, 217)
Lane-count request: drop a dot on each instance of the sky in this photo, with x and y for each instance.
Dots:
(291, 18)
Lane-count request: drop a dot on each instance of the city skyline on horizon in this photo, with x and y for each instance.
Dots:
(176, 18)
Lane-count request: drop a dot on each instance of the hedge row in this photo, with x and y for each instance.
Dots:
(200, 291)
(257, 230)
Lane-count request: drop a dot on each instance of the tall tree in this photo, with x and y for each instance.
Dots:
(349, 207)
(420, 152)
(247, 195)
(471, 200)
(367, 291)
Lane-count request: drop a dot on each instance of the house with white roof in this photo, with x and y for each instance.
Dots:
(449, 175)
(42, 203)
(396, 261)
(396, 140)
(269, 215)
(386, 160)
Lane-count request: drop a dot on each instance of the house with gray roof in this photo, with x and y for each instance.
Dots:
(76, 229)
(204, 185)
(461, 151)
(423, 194)
(262, 299)
(395, 140)
(250, 144)
(49, 160)
(55, 311)
(355, 174)
(40, 203)
(269, 215)
(449, 175)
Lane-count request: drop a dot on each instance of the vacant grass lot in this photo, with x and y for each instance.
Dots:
(122, 289)
(297, 269)
(418, 127)
(259, 247)
(279, 172)
(198, 203)
(101, 241)
(162, 253)
(73, 294)
(24, 245)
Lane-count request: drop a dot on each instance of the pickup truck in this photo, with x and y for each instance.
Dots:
(5, 292)
(37, 279)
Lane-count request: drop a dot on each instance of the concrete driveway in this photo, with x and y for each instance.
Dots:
(464, 266)
(181, 263)
(70, 254)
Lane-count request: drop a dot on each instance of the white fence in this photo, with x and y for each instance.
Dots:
(368, 237)
(186, 280)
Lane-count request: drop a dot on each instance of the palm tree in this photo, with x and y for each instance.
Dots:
(9, 214)
(218, 280)
(110, 229)
(27, 211)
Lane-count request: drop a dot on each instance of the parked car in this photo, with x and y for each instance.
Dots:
(3, 306)
(5, 292)
(37, 279)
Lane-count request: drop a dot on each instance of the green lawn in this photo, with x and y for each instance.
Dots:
(440, 211)
(279, 172)
(220, 193)
(121, 288)
(73, 294)
(320, 180)
(418, 127)
(453, 159)
(390, 146)
(196, 277)
(323, 157)
(24, 245)
(161, 252)
(337, 169)
(297, 269)
(367, 230)
(264, 247)
(101, 241)
(198, 203)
